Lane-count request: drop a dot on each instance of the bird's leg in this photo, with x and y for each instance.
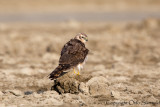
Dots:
(79, 68)
(78, 73)
(74, 71)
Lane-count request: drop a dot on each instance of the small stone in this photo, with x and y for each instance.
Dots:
(115, 94)
(28, 92)
(40, 91)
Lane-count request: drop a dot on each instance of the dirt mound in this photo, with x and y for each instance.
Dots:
(69, 83)
(85, 84)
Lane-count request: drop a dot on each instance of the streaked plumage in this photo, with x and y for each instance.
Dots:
(73, 55)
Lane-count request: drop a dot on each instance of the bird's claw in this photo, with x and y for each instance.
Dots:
(78, 73)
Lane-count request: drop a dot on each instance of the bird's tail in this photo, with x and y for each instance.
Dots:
(57, 72)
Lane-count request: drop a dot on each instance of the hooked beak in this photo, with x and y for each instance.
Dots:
(86, 39)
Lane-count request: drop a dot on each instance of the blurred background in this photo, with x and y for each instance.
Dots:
(124, 44)
(79, 10)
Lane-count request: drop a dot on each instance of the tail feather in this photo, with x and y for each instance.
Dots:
(57, 72)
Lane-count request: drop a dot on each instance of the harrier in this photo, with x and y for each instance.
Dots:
(73, 55)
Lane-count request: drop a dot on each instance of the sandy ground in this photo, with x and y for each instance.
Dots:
(123, 66)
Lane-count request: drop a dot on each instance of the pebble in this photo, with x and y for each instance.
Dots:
(115, 94)
(28, 92)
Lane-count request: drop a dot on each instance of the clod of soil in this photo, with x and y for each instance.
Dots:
(84, 84)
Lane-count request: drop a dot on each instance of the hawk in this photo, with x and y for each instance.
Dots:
(73, 55)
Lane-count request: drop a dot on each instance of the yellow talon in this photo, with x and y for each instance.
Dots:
(78, 73)
(74, 71)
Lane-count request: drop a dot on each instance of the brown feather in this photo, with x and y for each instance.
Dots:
(73, 53)
(58, 71)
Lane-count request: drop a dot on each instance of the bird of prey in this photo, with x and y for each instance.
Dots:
(73, 55)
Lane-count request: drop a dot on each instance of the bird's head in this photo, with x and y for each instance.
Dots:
(82, 37)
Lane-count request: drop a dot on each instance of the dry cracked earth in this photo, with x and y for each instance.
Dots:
(123, 66)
